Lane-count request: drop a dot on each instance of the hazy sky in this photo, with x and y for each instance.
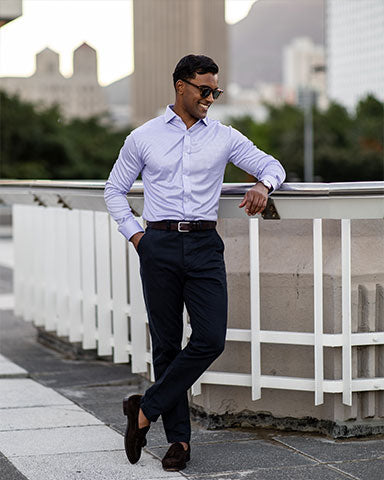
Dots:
(64, 24)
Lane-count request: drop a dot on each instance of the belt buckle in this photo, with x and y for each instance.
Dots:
(179, 226)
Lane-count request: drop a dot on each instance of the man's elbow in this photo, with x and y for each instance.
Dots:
(109, 191)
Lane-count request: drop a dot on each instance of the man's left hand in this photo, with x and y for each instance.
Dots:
(255, 200)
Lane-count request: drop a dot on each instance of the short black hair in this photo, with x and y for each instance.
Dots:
(189, 65)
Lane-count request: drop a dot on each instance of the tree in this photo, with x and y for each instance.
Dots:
(333, 140)
(40, 145)
(348, 147)
(369, 136)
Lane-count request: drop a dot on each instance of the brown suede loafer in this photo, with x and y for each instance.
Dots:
(176, 458)
(134, 438)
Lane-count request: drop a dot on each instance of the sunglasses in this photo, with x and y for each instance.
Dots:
(206, 91)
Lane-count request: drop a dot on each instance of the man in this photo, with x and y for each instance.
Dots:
(182, 157)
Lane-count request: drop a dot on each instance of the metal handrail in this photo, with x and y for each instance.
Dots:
(228, 189)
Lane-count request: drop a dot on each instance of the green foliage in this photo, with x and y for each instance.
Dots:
(41, 145)
(347, 147)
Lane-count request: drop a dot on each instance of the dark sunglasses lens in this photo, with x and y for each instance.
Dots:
(205, 92)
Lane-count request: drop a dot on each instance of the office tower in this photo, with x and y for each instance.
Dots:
(165, 31)
(355, 50)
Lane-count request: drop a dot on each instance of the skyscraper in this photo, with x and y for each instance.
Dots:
(165, 31)
(355, 50)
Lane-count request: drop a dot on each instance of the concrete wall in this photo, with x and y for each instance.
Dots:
(286, 282)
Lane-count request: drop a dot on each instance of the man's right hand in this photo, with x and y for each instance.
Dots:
(135, 239)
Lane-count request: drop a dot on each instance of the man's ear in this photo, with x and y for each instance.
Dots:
(179, 86)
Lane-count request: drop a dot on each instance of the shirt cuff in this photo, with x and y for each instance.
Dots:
(129, 228)
(271, 180)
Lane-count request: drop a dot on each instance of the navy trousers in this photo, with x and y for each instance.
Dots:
(181, 268)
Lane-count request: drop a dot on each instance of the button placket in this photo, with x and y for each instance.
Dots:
(186, 172)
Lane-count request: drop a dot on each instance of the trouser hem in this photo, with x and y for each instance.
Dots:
(178, 439)
(151, 418)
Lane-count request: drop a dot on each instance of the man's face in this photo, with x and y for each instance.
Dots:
(191, 100)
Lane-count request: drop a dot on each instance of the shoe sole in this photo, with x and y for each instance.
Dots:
(180, 468)
(174, 469)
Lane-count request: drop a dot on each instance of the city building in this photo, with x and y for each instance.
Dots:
(256, 43)
(304, 69)
(118, 95)
(9, 10)
(79, 96)
(355, 50)
(251, 102)
(165, 31)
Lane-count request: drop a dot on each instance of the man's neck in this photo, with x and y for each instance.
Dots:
(187, 119)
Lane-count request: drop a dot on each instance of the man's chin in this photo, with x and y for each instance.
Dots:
(201, 114)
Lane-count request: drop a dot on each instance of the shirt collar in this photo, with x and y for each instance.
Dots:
(170, 114)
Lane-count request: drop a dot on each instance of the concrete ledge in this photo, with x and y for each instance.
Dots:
(72, 351)
(247, 419)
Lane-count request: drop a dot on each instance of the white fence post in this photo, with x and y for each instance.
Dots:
(318, 309)
(88, 278)
(19, 273)
(74, 277)
(119, 296)
(103, 282)
(255, 306)
(50, 274)
(39, 264)
(346, 309)
(62, 272)
(28, 248)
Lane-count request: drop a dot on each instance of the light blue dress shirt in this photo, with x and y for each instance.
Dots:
(182, 169)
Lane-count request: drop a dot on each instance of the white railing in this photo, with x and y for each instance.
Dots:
(346, 340)
(77, 276)
(71, 276)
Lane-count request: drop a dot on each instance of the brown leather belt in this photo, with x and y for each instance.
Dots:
(182, 226)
